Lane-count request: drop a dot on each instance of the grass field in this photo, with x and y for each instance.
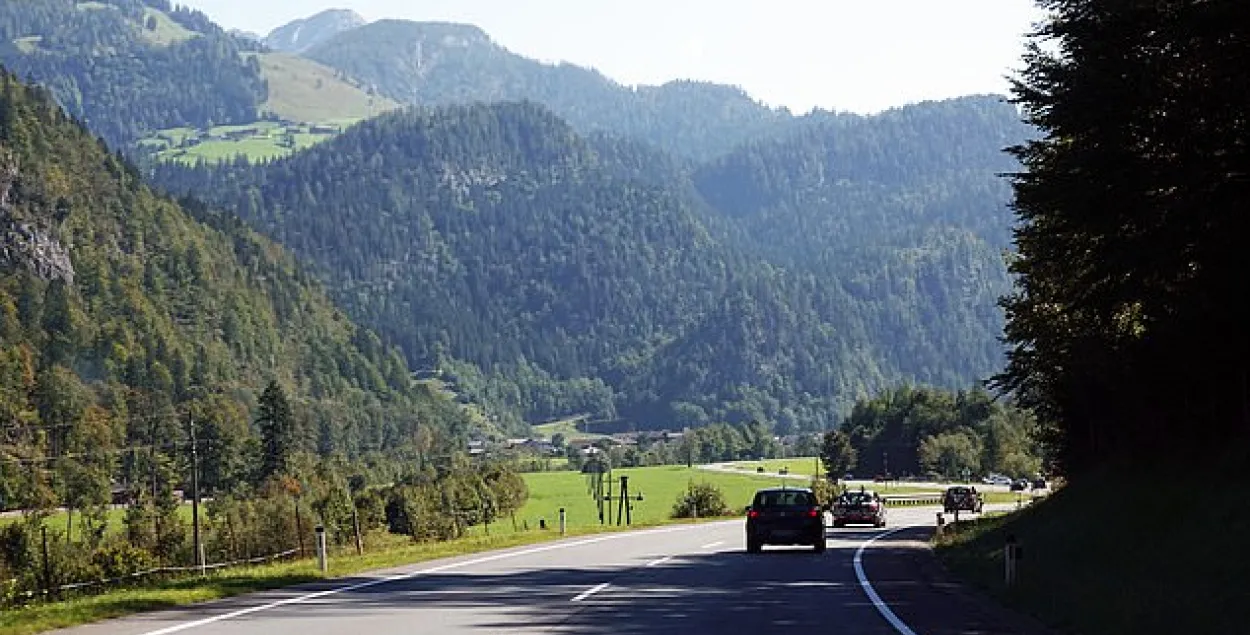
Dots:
(659, 487)
(303, 90)
(116, 519)
(1122, 552)
(567, 427)
(166, 32)
(258, 141)
(308, 103)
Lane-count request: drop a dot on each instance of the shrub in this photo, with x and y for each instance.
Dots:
(704, 499)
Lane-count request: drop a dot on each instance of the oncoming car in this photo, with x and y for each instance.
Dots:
(864, 507)
(785, 516)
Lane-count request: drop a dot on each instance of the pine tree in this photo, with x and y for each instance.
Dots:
(1126, 330)
(277, 430)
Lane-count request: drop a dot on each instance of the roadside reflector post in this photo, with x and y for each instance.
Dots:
(322, 564)
(562, 521)
(941, 523)
(1011, 553)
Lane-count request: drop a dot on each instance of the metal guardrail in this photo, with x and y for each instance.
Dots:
(905, 500)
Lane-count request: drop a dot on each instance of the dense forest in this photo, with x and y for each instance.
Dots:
(581, 275)
(127, 67)
(136, 334)
(917, 431)
(121, 316)
(1127, 333)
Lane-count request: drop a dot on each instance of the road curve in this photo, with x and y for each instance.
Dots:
(686, 579)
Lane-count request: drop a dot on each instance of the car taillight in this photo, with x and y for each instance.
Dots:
(872, 506)
(753, 514)
(813, 512)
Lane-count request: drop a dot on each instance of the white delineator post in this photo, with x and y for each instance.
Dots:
(322, 561)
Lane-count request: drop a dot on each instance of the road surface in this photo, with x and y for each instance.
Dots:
(687, 579)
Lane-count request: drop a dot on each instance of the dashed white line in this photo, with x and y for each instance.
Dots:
(404, 576)
(589, 592)
(882, 608)
(713, 544)
(659, 561)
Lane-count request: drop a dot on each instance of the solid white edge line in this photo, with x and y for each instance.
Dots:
(413, 574)
(713, 544)
(658, 561)
(882, 608)
(589, 592)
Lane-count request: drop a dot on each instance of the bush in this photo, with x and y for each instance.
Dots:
(704, 499)
(825, 490)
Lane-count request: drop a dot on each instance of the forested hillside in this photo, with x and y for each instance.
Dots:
(122, 315)
(433, 64)
(590, 275)
(128, 67)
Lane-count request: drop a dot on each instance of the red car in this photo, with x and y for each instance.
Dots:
(859, 508)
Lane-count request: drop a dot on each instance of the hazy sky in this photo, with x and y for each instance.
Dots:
(857, 55)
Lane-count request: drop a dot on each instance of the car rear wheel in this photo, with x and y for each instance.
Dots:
(753, 546)
(820, 545)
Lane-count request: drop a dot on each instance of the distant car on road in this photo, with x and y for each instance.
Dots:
(963, 498)
(864, 507)
(785, 516)
(1019, 485)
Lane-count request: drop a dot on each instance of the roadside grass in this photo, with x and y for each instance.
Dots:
(549, 491)
(1121, 551)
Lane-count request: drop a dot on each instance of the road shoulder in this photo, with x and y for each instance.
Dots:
(910, 579)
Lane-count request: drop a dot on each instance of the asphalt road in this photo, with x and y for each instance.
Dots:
(688, 579)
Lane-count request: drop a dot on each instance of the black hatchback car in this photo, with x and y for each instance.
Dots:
(785, 516)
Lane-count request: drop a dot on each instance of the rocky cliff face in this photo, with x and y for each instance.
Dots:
(24, 245)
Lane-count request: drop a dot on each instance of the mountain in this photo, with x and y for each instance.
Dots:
(435, 63)
(126, 67)
(156, 80)
(300, 35)
(123, 309)
(580, 274)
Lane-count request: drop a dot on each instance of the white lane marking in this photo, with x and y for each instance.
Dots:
(659, 561)
(411, 574)
(882, 608)
(713, 544)
(589, 592)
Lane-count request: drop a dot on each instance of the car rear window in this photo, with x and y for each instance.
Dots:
(856, 498)
(784, 499)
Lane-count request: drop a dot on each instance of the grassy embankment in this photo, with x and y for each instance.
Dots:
(549, 491)
(1130, 550)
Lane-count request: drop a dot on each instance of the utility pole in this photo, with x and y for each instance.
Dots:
(195, 496)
